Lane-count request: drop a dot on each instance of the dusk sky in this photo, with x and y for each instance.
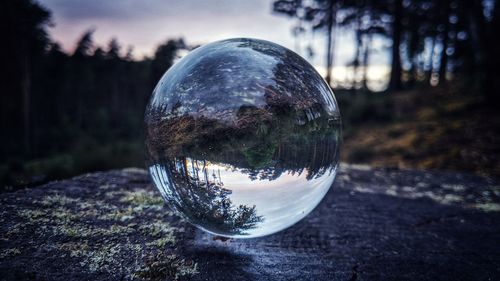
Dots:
(145, 24)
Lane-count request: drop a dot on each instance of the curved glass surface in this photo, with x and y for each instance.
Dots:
(242, 137)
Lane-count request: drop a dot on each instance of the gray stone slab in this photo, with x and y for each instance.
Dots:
(374, 224)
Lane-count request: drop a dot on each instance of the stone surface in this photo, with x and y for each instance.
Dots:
(374, 224)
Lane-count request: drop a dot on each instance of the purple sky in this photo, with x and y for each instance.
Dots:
(144, 24)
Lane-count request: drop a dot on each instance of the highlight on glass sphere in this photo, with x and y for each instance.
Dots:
(242, 137)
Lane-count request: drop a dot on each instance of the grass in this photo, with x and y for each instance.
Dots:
(435, 128)
(86, 156)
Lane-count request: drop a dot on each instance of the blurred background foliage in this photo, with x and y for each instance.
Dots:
(65, 113)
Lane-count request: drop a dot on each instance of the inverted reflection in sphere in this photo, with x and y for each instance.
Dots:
(242, 137)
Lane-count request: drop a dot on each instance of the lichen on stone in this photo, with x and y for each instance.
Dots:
(9, 253)
(142, 198)
(162, 242)
(105, 229)
(163, 266)
(157, 229)
(57, 199)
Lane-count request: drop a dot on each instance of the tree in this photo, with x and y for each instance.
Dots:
(444, 15)
(203, 199)
(321, 14)
(85, 46)
(396, 30)
(23, 26)
(114, 48)
(366, 17)
(428, 38)
(164, 57)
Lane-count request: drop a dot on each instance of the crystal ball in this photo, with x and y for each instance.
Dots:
(242, 137)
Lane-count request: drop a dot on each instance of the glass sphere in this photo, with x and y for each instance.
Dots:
(242, 137)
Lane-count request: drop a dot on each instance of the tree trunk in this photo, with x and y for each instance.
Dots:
(492, 83)
(357, 55)
(428, 75)
(366, 57)
(395, 82)
(330, 44)
(413, 52)
(26, 90)
(443, 63)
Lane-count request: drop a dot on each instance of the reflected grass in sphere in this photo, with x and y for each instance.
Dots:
(242, 137)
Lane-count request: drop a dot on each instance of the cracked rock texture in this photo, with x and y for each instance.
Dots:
(374, 224)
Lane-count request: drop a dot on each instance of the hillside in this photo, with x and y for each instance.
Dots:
(431, 128)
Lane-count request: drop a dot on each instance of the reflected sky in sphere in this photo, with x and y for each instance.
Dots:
(242, 137)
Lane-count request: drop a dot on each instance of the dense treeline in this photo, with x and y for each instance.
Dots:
(432, 41)
(54, 102)
(82, 110)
